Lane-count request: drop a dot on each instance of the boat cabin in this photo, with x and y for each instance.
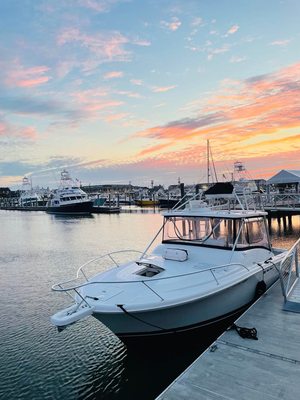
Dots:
(228, 231)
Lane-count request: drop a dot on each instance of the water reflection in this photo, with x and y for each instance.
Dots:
(146, 368)
(284, 231)
(67, 217)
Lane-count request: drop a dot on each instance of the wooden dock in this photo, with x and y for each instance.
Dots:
(247, 369)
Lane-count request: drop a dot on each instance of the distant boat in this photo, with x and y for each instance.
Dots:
(168, 202)
(242, 182)
(146, 203)
(69, 198)
(30, 197)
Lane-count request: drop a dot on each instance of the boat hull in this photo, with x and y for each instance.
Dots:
(146, 203)
(168, 203)
(202, 312)
(80, 208)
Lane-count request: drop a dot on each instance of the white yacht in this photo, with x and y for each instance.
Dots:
(242, 180)
(211, 263)
(69, 198)
(30, 197)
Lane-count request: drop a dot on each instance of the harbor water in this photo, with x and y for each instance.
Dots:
(84, 361)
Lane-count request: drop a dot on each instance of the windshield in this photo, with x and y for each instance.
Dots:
(216, 232)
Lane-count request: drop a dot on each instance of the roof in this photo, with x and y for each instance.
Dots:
(285, 176)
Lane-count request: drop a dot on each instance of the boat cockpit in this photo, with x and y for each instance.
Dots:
(225, 233)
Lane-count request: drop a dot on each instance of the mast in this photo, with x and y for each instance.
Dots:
(207, 154)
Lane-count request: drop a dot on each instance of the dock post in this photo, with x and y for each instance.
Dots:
(284, 222)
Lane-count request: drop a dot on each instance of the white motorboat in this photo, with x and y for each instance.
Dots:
(69, 198)
(211, 263)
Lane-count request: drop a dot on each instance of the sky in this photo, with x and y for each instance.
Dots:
(120, 91)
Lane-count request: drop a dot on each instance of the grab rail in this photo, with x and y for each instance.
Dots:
(289, 269)
(58, 287)
(80, 269)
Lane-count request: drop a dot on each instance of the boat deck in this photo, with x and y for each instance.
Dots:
(237, 368)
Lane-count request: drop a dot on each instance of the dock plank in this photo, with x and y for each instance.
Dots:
(245, 369)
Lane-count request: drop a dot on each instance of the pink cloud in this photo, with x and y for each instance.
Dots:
(98, 106)
(3, 128)
(233, 29)
(29, 132)
(116, 117)
(163, 89)
(20, 76)
(129, 94)
(281, 42)
(14, 131)
(137, 82)
(113, 74)
(173, 25)
(94, 100)
(105, 46)
(142, 42)
(99, 6)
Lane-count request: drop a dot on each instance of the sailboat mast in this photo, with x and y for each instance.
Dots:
(207, 153)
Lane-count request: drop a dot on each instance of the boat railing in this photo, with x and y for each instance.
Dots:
(289, 269)
(67, 287)
(111, 256)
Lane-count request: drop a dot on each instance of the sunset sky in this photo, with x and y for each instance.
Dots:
(131, 90)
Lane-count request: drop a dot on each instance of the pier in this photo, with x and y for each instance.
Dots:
(24, 208)
(239, 368)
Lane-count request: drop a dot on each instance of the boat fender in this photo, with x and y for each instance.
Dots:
(260, 289)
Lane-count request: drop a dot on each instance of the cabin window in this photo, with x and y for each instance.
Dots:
(216, 232)
(255, 232)
(200, 230)
(251, 233)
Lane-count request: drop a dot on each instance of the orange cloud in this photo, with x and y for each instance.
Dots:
(153, 149)
(258, 117)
